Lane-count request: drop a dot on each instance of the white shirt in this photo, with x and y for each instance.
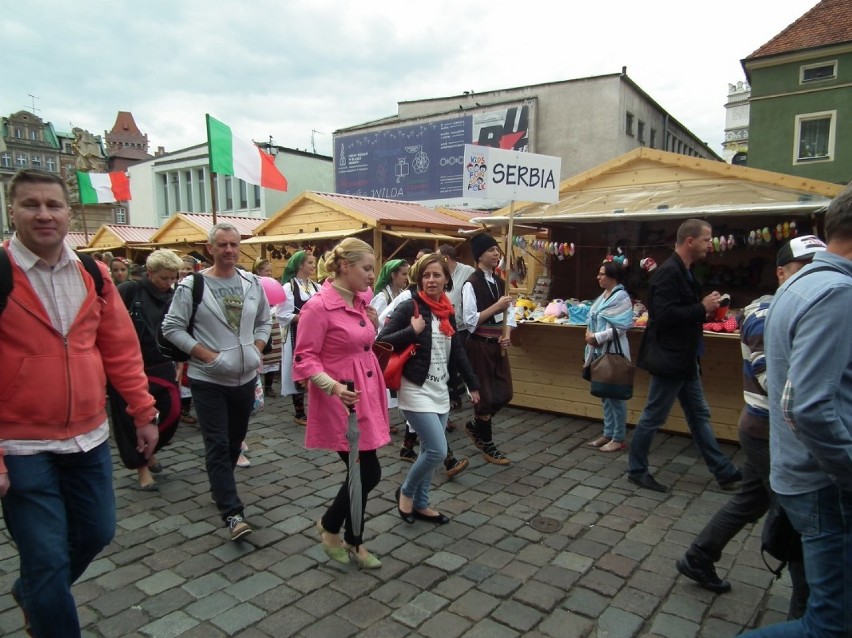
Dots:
(471, 312)
(433, 396)
(460, 275)
(62, 291)
(405, 295)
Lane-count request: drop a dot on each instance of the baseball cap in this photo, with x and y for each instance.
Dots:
(799, 249)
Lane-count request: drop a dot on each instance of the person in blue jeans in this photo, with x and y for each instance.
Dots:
(670, 349)
(809, 377)
(424, 395)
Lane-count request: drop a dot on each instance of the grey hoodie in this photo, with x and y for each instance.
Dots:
(239, 358)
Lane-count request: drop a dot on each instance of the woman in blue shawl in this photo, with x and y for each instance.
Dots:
(609, 318)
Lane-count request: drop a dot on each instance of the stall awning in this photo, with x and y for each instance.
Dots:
(413, 234)
(299, 237)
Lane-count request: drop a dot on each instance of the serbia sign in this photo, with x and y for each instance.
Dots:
(510, 175)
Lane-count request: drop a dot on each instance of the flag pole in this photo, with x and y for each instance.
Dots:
(210, 166)
(85, 225)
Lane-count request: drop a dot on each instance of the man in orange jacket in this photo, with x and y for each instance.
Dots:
(62, 335)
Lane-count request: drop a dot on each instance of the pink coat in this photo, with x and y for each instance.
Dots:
(338, 340)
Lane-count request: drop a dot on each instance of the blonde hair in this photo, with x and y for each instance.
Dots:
(350, 250)
(322, 273)
(163, 259)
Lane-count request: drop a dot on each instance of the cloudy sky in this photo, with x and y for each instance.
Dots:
(287, 67)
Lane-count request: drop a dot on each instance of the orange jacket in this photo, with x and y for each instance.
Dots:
(53, 387)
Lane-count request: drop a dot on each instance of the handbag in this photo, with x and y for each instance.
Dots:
(779, 539)
(612, 373)
(392, 370)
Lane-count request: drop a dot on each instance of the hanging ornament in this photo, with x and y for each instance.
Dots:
(767, 236)
(723, 243)
(793, 230)
(786, 230)
(779, 232)
(731, 242)
(571, 250)
(752, 238)
(716, 244)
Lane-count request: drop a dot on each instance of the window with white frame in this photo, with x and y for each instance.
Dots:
(814, 137)
(818, 72)
(6, 160)
(50, 164)
(120, 214)
(36, 161)
(21, 160)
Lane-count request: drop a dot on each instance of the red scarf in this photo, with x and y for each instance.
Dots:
(441, 309)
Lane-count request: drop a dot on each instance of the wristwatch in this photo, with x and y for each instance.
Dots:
(155, 420)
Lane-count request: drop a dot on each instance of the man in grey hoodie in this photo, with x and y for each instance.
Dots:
(232, 325)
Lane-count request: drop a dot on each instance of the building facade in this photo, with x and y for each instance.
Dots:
(735, 146)
(585, 122)
(179, 182)
(125, 143)
(801, 96)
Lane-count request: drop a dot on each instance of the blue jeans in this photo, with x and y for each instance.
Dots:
(431, 428)
(824, 519)
(615, 419)
(60, 511)
(223, 415)
(662, 393)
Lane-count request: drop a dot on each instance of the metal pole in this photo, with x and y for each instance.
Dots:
(213, 195)
(506, 329)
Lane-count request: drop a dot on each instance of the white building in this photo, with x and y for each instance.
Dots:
(735, 146)
(180, 182)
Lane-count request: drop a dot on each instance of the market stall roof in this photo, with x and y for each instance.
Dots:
(648, 184)
(76, 240)
(115, 236)
(300, 237)
(183, 228)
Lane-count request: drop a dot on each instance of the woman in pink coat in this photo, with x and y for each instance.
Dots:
(334, 344)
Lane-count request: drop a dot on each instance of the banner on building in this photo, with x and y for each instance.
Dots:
(494, 173)
(423, 161)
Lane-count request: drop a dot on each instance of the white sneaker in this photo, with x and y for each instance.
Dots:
(238, 527)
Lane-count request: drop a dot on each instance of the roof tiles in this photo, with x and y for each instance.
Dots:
(391, 210)
(827, 23)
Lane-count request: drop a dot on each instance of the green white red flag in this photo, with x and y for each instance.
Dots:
(103, 188)
(230, 155)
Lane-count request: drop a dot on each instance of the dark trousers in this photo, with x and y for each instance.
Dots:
(495, 376)
(748, 505)
(223, 415)
(339, 514)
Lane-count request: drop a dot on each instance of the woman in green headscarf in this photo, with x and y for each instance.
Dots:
(299, 288)
(392, 280)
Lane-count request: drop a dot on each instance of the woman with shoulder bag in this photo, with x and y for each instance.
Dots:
(610, 316)
(424, 395)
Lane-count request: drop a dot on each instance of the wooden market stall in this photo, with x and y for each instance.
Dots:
(636, 202)
(77, 240)
(131, 242)
(187, 233)
(394, 228)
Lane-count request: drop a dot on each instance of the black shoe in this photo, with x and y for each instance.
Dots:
(731, 484)
(470, 430)
(704, 574)
(493, 455)
(407, 454)
(648, 482)
(408, 517)
(438, 519)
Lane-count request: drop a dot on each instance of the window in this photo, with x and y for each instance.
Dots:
(818, 72)
(640, 132)
(187, 178)
(34, 136)
(6, 160)
(36, 160)
(653, 140)
(120, 214)
(50, 164)
(814, 137)
(202, 194)
(21, 160)
(229, 193)
(174, 178)
(257, 196)
(628, 124)
(243, 195)
(18, 133)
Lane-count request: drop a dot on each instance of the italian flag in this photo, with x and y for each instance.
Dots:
(241, 158)
(103, 188)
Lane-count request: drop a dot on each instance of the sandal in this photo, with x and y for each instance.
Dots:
(599, 442)
(613, 446)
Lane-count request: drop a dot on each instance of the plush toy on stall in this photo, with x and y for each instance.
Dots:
(648, 264)
(524, 308)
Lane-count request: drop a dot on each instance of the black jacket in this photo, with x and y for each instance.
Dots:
(146, 306)
(399, 333)
(675, 317)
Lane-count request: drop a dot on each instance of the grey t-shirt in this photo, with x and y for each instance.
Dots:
(229, 294)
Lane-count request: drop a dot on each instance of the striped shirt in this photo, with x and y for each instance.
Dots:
(62, 291)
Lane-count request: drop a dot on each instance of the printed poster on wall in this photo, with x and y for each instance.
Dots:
(423, 161)
(509, 175)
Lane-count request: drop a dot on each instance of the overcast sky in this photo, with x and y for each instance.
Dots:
(287, 67)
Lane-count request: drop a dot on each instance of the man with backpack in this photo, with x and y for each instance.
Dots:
(224, 336)
(63, 334)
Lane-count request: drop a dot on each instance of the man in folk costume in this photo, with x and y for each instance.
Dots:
(483, 303)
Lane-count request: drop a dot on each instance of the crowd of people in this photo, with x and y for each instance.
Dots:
(105, 322)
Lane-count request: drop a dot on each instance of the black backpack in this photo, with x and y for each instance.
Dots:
(166, 347)
(6, 281)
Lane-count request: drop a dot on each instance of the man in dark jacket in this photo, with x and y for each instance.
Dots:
(670, 349)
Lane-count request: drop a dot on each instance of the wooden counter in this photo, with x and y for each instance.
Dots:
(547, 362)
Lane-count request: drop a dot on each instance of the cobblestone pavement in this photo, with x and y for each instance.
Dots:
(605, 567)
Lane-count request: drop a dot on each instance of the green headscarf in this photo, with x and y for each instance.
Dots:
(386, 273)
(293, 266)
